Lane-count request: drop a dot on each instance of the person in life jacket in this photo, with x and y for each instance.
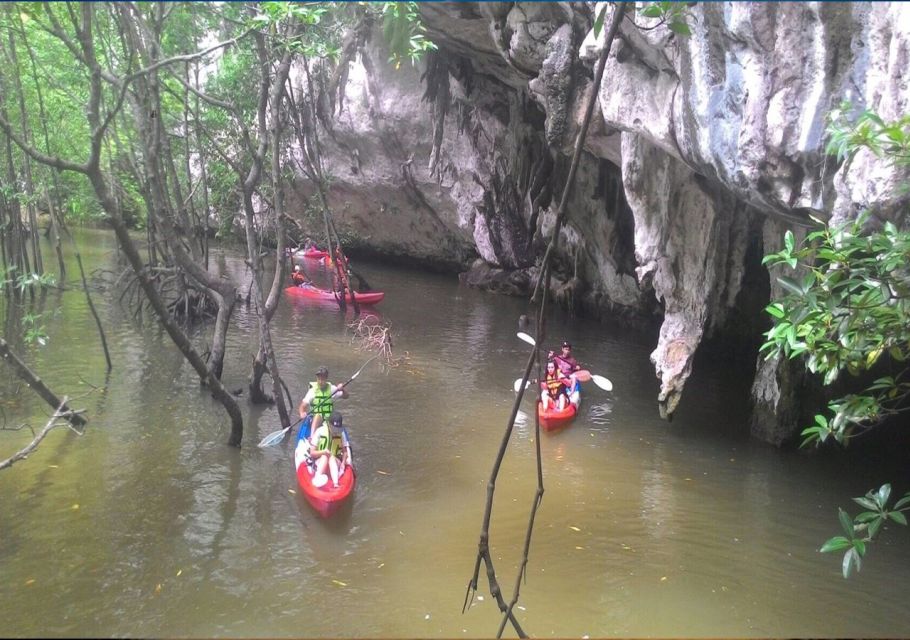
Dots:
(567, 364)
(555, 388)
(319, 399)
(329, 449)
(298, 276)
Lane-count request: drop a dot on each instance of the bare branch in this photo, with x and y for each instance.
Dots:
(54, 422)
(188, 57)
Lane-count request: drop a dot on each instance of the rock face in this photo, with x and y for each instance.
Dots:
(707, 148)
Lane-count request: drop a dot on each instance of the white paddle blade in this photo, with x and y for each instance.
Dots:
(526, 338)
(603, 383)
(517, 385)
(273, 438)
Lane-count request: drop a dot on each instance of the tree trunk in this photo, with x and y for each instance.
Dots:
(267, 95)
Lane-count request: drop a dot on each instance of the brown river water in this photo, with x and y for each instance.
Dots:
(149, 525)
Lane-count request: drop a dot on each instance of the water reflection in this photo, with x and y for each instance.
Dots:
(646, 527)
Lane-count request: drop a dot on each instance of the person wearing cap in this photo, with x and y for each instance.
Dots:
(567, 364)
(319, 398)
(330, 449)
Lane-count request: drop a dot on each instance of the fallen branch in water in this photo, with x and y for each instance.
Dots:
(61, 418)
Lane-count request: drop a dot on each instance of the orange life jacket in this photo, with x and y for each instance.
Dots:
(555, 384)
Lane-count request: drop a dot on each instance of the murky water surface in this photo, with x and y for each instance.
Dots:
(149, 525)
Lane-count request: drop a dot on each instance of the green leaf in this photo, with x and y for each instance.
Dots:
(775, 309)
(866, 503)
(884, 492)
(837, 543)
(599, 21)
(789, 241)
(651, 11)
(791, 285)
(849, 561)
(680, 28)
(874, 526)
(845, 522)
(898, 517)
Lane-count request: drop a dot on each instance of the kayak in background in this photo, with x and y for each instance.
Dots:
(313, 292)
(312, 253)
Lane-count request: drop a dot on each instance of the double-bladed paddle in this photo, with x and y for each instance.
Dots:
(277, 436)
(582, 375)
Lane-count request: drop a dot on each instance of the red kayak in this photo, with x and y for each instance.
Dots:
(313, 292)
(312, 253)
(553, 419)
(325, 499)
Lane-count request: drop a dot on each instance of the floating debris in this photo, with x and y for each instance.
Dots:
(574, 528)
(381, 472)
(340, 583)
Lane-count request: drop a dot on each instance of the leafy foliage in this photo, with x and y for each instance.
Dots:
(23, 281)
(888, 139)
(404, 32)
(675, 15)
(864, 526)
(847, 307)
(34, 330)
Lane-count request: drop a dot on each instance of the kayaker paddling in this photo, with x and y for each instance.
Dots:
(319, 399)
(567, 364)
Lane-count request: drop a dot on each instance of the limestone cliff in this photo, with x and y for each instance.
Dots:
(707, 148)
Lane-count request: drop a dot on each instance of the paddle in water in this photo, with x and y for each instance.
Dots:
(582, 375)
(277, 436)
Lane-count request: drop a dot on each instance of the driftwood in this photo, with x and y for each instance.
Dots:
(55, 421)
